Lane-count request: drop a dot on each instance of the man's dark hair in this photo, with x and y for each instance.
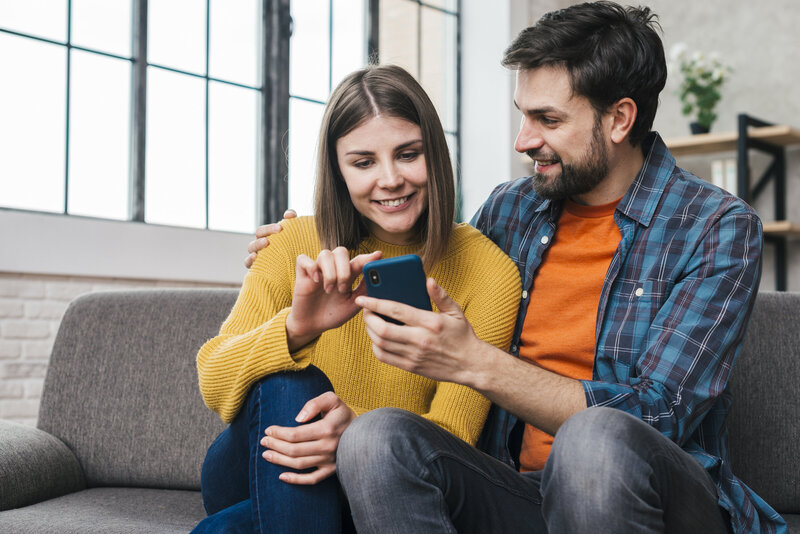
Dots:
(610, 52)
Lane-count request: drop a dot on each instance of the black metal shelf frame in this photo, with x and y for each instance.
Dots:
(775, 173)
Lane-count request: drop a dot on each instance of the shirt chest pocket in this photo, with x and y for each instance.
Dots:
(628, 323)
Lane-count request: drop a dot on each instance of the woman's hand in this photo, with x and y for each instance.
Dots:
(323, 296)
(311, 445)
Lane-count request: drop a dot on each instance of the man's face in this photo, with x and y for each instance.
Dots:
(561, 133)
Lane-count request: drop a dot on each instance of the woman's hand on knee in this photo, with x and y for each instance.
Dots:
(311, 445)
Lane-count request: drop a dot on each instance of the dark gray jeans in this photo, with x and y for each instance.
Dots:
(607, 472)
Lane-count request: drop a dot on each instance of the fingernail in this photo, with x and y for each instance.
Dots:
(284, 477)
(268, 431)
(301, 417)
(267, 456)
(264, 442)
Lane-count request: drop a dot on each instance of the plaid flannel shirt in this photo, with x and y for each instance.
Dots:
(673, 311)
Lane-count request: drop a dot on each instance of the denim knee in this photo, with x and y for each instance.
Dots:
(593, 441)
(378, 440)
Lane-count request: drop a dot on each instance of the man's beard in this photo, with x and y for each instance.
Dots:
(577, 178)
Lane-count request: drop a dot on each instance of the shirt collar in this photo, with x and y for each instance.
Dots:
(644, 194)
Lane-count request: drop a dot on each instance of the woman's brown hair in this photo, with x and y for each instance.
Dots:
(391, 91)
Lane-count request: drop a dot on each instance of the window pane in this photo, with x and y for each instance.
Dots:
(32, 128)
(99, 136)
(304, 122)
(177, 34)
(399, 43)
(103, 25)
(233, 123)
(44, 18)
(234, 40)
(438, 68)
(452, 143)
(450, 5)
(308, 49)
(349, 39)
(175, 152)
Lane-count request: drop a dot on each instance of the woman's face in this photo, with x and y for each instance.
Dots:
(383, 166)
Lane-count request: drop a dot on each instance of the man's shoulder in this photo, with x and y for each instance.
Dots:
(520, 187)
(687, 192)
(508, 200)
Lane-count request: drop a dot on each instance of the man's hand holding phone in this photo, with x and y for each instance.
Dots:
(441, 346)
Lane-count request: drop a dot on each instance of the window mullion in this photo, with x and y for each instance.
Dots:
(69, 98)
(273, 188)
(373, 32)
(136, 206)
(208, 53)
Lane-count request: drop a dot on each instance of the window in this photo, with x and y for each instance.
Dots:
(192, 137)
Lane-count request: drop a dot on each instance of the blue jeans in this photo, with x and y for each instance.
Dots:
(241, 490)
(608, 472)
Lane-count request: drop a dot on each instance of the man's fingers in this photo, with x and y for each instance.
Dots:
(440, 297)
(289, 214)
(250, 260)
(408, 315)
(257, 244)
(266, 230)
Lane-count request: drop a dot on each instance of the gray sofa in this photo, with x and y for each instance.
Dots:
(123, 431)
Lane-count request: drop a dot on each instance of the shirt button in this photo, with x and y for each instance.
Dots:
(524, 295)
(513, 348)
(639, 292)
(545, 239)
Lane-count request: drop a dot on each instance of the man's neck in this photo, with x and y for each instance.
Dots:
(625, 162)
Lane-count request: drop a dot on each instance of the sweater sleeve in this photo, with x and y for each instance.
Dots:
(491, 309)
(252, 341)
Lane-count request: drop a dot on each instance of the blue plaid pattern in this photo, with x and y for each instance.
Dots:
(673, 311)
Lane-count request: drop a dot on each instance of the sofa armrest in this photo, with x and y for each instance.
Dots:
(35, 466)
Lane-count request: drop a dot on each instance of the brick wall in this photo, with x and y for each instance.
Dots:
(31, 307)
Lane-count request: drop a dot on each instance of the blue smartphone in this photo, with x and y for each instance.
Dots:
(401, 279)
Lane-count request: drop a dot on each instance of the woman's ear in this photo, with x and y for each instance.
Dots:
(623, 115)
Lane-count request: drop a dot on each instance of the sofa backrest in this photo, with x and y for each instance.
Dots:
(764, 423)
(121, 388)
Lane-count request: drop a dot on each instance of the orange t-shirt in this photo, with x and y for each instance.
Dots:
(559, 329)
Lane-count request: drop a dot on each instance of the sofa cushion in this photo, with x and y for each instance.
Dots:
(104, 510)
(121, 388)
(764, 427)
(34, 466)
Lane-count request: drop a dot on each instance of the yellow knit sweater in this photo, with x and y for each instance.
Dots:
(252, 341)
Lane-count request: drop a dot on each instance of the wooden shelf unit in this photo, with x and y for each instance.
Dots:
(728, 141)
(771, 139)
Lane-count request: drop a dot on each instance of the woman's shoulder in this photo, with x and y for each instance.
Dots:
(470, 251)
(297, 236)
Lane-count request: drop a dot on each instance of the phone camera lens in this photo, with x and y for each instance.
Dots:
(374, 278)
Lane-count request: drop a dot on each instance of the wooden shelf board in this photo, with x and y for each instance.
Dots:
(726, 141)
(781, 228)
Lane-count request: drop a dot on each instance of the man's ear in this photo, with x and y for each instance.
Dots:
(623, 115)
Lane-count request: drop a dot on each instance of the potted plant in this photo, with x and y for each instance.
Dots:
(701, 77)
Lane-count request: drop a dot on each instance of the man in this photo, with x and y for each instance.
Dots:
(638, 279)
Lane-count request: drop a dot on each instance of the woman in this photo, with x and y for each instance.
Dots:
(384, 188)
